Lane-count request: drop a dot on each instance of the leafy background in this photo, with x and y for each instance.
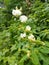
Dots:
(13, 50)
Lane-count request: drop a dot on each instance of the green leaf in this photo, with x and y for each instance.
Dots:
(6, 2)
(44, 50)
(44, 58)
(34, 58)
(23, 59)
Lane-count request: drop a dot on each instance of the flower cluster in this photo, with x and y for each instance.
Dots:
(28, 28)
(31, 37)
(16, 12)
(23, 35)
(23, 19)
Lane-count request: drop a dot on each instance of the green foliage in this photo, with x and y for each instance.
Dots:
(17, 51)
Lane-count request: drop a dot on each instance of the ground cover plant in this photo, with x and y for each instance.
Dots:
(24, 32)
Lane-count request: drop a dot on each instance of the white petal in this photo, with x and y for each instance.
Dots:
(31, 37)
(22, 35)
(28, 28)
(23, 18)
(16, 12)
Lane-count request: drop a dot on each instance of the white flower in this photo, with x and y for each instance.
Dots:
(31, 37)
(23, 35)
(23, 18)
(28, 28)
(16, 12)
